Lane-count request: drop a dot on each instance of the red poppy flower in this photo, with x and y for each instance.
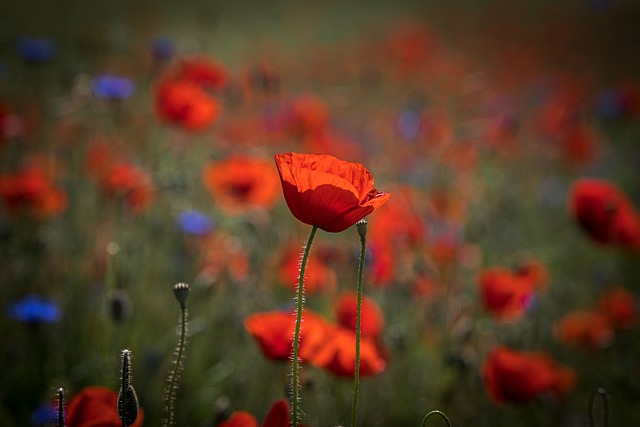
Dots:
(240, 419)
(605, 213)
(31, 191)
(278, 416)
(620, 307)
(399, 221)
(273, 332)
(128, 181)
(96, 407)
(202, 71)
(517, 377)
(535, 271)
(371, 322)
(327, 192)
(184, 103)
(585, 329)
(382, 268)
(307, 115)
(318, 275)
(504, 294)
(337, 354)
(240, 183)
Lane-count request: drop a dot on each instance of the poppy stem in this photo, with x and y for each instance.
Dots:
(296, 337)
(436, 412)
(605, 407)
(361, 226)
(61, 407)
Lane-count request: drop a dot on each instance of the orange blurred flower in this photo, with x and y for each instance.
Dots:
(31, 191)
(273, 331)
(619, 306)
(96, 406)
(517, 377)
(605, 213)
(204, 72)
(130, 183)
(327, 192)
(278, 416)
(504, 294)
(585, 329)
(318, 275)
(240, 183)
(371, 321)
(307, 115)
(186, 104)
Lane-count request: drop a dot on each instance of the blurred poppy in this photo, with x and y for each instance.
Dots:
(277, 416)
(327, 192)
(31, 191)
(584, 329)
(202, 71)
(337, 354)
(186, 104)
(619, 306)
(273, 332)
(372, 320)
(605, 213)
(240, 183)
(129, 182)
(535, 271)
(518, 377)
(96, 406)
(504, 294)
(318, 275)
(399, 221)
(240, 419)
(307, 115)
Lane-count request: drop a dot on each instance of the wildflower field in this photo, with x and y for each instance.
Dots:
(319, 213)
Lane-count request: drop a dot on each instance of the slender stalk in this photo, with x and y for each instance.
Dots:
(296, 337)
(181, 292)
(436, 412)
(61, 407)
(362, 231)
(605, 407)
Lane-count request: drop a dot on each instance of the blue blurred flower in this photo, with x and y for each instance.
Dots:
(108, 86)
(409, 124)
(162, 48)
(194, 222)
(35, 50)
(44, 414)
(33, 308)
(610, 104)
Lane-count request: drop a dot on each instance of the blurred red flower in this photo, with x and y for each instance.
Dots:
(307, 115)
(204, 72)
(186, 104)
(96, 406)
(605, 213)
(319, 276)
(619, 306)
(32, 192)
(504, 294)
(535, 271)
(129, 182)
(372, 320)
(278, 416)
(587, 329)
(517, 377)
(240, 183)
(337, 354)
(327, 192)
(273, 331)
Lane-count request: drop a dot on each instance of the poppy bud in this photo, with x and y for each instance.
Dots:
(361, 226)
(181, 292)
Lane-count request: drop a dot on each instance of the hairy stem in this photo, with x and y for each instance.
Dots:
(436, 412)
(296, 337)
(356, 377)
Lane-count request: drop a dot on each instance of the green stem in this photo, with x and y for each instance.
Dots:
(296, 337)
(176, 368)
(356, 378)
(605, 407)
(436, 412)
(60, 407)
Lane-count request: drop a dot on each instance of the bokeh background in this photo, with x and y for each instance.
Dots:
(136, 151)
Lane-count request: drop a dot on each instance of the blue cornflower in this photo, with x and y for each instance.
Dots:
(409, 123)
(194, 222)
(162, 48)
(44, 414)
(108, 86)
(33, 309)
(35, 50)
